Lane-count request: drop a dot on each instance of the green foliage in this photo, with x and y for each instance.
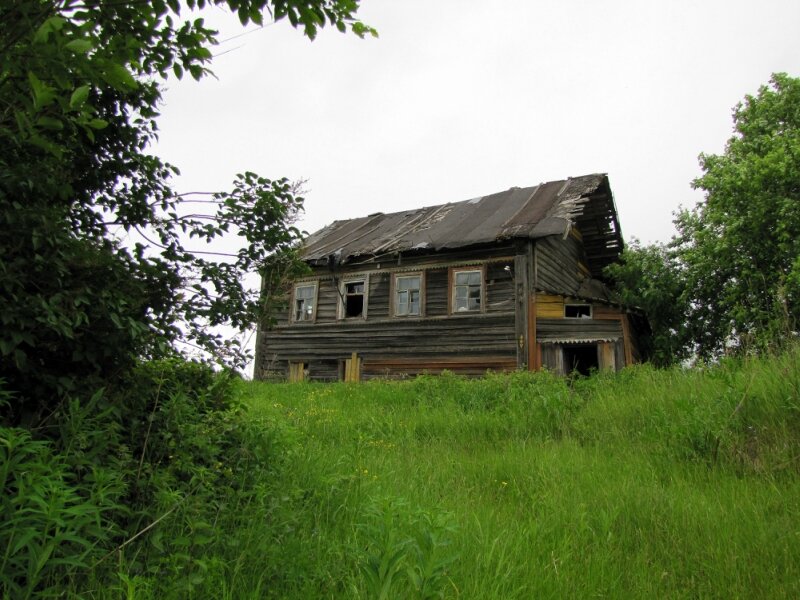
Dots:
(49, 529)
(651, 278)
(80, 84)
(731, 278)
(650, 482)
(406, 552)
(432, 488)
(741, 246)
(133, 486)
(122, 471)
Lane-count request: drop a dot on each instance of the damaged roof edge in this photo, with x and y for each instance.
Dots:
(537, 211)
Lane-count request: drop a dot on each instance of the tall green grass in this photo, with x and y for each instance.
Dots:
(644, 483)
(647, 483)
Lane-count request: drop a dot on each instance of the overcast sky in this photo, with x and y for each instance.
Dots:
(458, 99)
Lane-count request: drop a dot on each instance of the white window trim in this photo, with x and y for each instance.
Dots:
(393, 291)
(454, 271)
(340, 311)
(314, 299)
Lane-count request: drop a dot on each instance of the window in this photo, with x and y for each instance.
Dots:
(305, 302)
(354, 299)
(407, 295)
(578, 311)
(467, 290)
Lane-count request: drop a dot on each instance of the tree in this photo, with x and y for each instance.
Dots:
(650, 278)
(80, 81)
(731, 277)
(741, 245)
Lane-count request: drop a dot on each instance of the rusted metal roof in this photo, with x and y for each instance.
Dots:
(532, 212)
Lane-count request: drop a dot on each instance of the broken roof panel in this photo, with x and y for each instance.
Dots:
(531, 212)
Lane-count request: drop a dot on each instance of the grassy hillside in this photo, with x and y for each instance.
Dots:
(642, 484)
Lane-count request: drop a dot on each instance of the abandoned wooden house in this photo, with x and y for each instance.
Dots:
(509, 281)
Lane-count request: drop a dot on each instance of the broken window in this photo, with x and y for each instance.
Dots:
(304, 296)
(407, 294)
(468, 288)
(354, 299)
(578, 311)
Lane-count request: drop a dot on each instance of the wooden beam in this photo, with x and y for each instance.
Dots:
(626, 339)
(533, 363)
(606, 356)
(521, 314)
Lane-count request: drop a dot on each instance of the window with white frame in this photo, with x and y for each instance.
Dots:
(467, 290)
(305, 301)
(407, 295)
(354, 299)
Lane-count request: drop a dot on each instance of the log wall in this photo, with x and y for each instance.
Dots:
(519, 326)
(465, 343)
(399, 346)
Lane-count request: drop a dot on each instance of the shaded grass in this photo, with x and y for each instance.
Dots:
(645, 483)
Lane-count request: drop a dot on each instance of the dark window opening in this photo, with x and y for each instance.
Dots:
(354, 299)
(578, 311)
(581, 358)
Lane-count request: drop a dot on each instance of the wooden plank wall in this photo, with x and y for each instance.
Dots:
(549, 306)
(607, 322)
(436, 292)
(499, 287)
(560, 264)
(558, 329)
(496, 338)
(378, 296)
(327, 300)
(486, 339)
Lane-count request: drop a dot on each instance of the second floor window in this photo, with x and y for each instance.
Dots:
(304, 302)
(354, 299)
(467, 288)
(407, 295)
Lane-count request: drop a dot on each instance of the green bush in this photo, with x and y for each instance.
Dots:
(51, 526)
(134, 488)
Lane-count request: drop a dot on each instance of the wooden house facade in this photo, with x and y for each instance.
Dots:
(509, 281)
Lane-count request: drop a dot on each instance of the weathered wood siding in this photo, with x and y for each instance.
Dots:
(467, 344)
(499, 287)
(577, 329)
(391, 346)
(519, 325)
(327, 301)
(606, 329)
(436, 294)
(378, 297)
(560, 264)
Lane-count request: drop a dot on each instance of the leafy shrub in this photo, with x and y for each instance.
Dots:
(129, 487)
(49, 528)
(406, 551)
